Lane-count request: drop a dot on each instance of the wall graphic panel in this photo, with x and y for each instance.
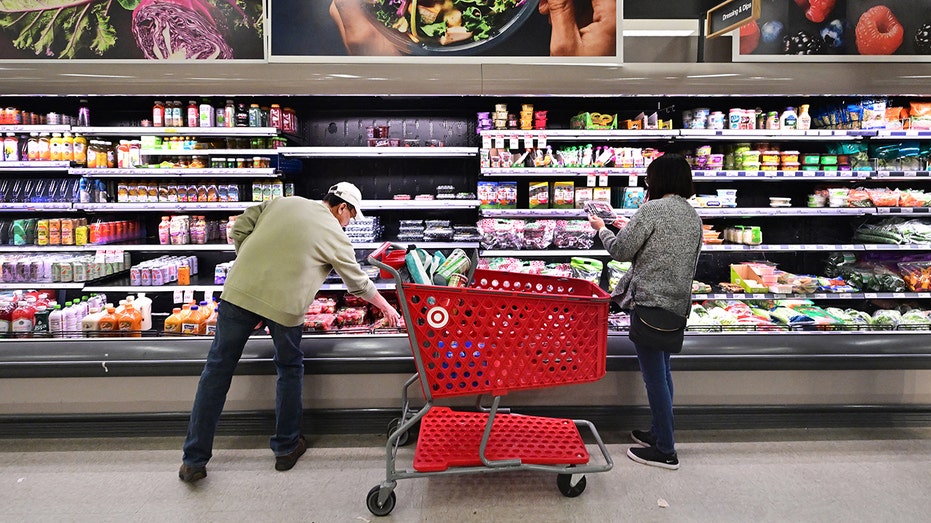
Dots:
(132, 29)
(838, 31)
(448, 31)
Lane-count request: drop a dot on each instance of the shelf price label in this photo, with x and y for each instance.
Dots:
(528, 141)
(499, 142)
(632, 180)
(514, 142)
(870, 295)
(602, 180)
(898, 295)
(486, 141)
(591, 180)
(541, 141)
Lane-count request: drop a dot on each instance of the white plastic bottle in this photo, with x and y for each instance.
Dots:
(90, 324)
(788, 120)
(56, 321)
(70, 320)
(804, 119)
(164, 231)
(143, 304)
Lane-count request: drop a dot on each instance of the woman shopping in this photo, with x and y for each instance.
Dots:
(662, 240)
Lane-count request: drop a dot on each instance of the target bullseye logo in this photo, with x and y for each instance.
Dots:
(437, 317)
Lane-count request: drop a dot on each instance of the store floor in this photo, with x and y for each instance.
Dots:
(739, 476)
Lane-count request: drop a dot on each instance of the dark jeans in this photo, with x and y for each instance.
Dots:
(654, 365)
(234, 326)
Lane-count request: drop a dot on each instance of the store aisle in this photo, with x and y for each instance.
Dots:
(739, 476)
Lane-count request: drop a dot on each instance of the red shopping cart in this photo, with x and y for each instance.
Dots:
(501, 333)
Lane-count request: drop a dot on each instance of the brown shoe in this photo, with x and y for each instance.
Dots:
(189, 474)
(287, 462)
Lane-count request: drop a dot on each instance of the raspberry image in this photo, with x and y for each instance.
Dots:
(749, 37)
(816, 10)
(879, 32)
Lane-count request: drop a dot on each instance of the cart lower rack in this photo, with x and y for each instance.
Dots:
(502, 332)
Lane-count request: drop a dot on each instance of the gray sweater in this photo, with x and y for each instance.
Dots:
(662, 241)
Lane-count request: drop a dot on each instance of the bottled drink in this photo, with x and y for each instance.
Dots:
(84, 114)
(275, 117)
(11, 148)
(56, 322)
(229, 229)
(6, 317)
(192, 323)
(90, 324)
(55, 147)
(41, 325)
(255, 115)
(164, 231)
(80, 150)
(158, 114)
(130, 321)
(32, 147)
(206, 114)
(173, 322)
(23, 319)
(109, 322)
(193, 114)
(143, 305)
(67, 147)
(242, 116)
(229, 114)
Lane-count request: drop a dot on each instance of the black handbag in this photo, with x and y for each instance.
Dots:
(657, 329)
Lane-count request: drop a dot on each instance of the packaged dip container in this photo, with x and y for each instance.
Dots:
(811, 159)
(828, 159)
(789, 157)
(771, 157)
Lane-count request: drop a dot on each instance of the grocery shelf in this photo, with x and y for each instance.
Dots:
(776, 135)
(734, 247)
(421, 245)
(900, 175)
(884, 134)
(372, 152)
(381, 205)
(34, 128)
(30, 206)
(815, 296)
(538, 172)
(544, 253)
(818, 176)
(34, 166)
(208, 152)
(173, 131)
(539, 213)
(164, 207)
(582, 134)
(723, 212)
(41, 285)
(181, 172)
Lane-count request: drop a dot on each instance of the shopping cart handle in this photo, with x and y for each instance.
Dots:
(381, 250)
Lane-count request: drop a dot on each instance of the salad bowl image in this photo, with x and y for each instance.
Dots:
(447, 27)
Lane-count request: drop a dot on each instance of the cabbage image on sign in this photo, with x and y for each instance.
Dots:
(132, 29)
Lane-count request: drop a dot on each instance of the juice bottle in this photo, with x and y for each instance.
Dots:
(193, 115)
(164, 231)
(11, 148)
(210, 326)
(55, 322)
(90, 324)
(41, 326)
(6, 317)
(229, 229)
(45, 147)
(67, 147)
(109, 322)
(23, 319)
(32, 147)
(80, 149)
(130, 322)
(55, 147)
(173, 322)
(192, 322)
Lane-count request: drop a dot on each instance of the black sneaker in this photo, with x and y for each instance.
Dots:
(287, 462)
(189, 474)
(643, 438)
(654, 458)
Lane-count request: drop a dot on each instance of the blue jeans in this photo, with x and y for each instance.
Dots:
(234, 326)
(654, 366)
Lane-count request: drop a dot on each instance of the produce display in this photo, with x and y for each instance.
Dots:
(535, 234)
(782, 315)
(344, 313)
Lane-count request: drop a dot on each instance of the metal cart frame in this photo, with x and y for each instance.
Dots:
(501, 332)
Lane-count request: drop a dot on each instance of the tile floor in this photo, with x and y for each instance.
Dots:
(827, 475)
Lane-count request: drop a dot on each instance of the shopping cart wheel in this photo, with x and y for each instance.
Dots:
(371, 501)
(403, 439)
(564, 482)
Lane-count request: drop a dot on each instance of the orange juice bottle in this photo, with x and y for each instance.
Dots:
(192, 323)
(210, 326)
(109, 322)
(173, 322)
(130, 322)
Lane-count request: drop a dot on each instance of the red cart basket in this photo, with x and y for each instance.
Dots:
(502, 332)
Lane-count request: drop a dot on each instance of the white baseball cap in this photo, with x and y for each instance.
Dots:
(350, 194)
